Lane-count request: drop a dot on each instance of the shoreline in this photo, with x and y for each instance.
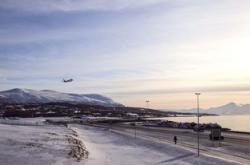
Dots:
(238, 132)
(236, 123)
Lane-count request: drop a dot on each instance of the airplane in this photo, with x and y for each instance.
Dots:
(67, 81)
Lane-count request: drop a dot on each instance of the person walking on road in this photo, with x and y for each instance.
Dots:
(175, 139)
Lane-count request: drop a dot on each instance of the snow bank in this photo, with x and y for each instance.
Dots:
(35, 145)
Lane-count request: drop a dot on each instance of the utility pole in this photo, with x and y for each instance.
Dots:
(198, 123)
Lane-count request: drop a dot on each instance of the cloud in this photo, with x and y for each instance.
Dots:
(183, 90)
(125, 47)
(75, 5)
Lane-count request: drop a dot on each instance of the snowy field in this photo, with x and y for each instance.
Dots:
(37, 144)
(108, 148)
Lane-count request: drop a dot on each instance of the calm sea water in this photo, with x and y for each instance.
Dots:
(235, 123)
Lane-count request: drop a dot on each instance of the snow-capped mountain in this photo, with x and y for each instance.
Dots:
(228, 109)
(44, 96)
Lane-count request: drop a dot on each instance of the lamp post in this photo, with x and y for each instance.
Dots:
(147, 103)
(198, 123)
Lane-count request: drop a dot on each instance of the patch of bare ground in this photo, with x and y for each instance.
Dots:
(78, 150)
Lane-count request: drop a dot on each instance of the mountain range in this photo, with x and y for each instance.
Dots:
(24, 96)
(227, 109)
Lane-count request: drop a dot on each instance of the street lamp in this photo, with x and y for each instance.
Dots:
(198, 123)
(147, 102)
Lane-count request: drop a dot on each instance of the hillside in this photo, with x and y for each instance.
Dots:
(46, 96)
(227, 109)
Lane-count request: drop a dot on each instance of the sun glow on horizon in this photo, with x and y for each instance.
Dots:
(163, 51)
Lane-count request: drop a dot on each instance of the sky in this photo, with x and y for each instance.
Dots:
(132, 51)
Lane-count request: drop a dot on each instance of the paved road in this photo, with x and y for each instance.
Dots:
(234, 147)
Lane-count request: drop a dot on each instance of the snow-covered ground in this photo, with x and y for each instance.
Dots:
(108, 148)
(34, 144)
